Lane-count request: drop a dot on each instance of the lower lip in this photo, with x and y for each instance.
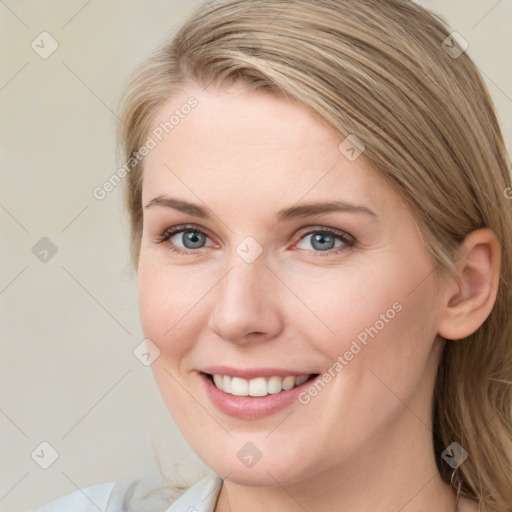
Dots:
(248, 407)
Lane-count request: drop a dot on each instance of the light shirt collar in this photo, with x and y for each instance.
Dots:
(201, 497)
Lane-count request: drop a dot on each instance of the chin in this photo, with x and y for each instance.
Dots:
(262, 473)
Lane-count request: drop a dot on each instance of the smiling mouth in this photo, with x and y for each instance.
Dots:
(259, 386)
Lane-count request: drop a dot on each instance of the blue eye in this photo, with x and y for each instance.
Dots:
(192, 239)
(326, 239)
(322, 242)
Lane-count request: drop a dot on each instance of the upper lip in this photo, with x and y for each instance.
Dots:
(251, 373)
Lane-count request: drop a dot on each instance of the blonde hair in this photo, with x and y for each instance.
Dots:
(390, 73)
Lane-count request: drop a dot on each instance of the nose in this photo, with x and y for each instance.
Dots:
(246, 308)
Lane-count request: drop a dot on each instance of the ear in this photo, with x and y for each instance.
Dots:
(469, 299)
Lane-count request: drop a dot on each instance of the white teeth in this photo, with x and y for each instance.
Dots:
(274, 385)
(288, 383)
(259, 386)
(226, 385)
(300, 380)
(219, 380)
(239, 387)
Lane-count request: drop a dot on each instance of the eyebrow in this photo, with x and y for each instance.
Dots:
(310, 209)
(181, 206)
(298, 211)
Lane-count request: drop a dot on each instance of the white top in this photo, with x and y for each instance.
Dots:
(201, 497)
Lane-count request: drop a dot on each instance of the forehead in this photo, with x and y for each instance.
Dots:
(254, 145)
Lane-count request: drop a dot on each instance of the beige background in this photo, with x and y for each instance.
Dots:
(69, 326)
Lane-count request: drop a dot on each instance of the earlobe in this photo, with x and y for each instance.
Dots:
(470, 299)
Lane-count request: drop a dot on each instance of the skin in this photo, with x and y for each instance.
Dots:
(364, 442)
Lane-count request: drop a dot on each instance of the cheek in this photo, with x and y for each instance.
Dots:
(376, 314)
(348, 302)
(381, 350)
(170, 310)
(171, 301)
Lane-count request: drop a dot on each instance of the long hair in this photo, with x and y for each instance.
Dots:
(390, 73)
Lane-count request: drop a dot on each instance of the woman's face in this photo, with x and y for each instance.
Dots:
(291, 257)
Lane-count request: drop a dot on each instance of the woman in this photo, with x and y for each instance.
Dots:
(320, 223)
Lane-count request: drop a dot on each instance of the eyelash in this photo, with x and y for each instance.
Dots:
(168, 233)
(348, 240)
